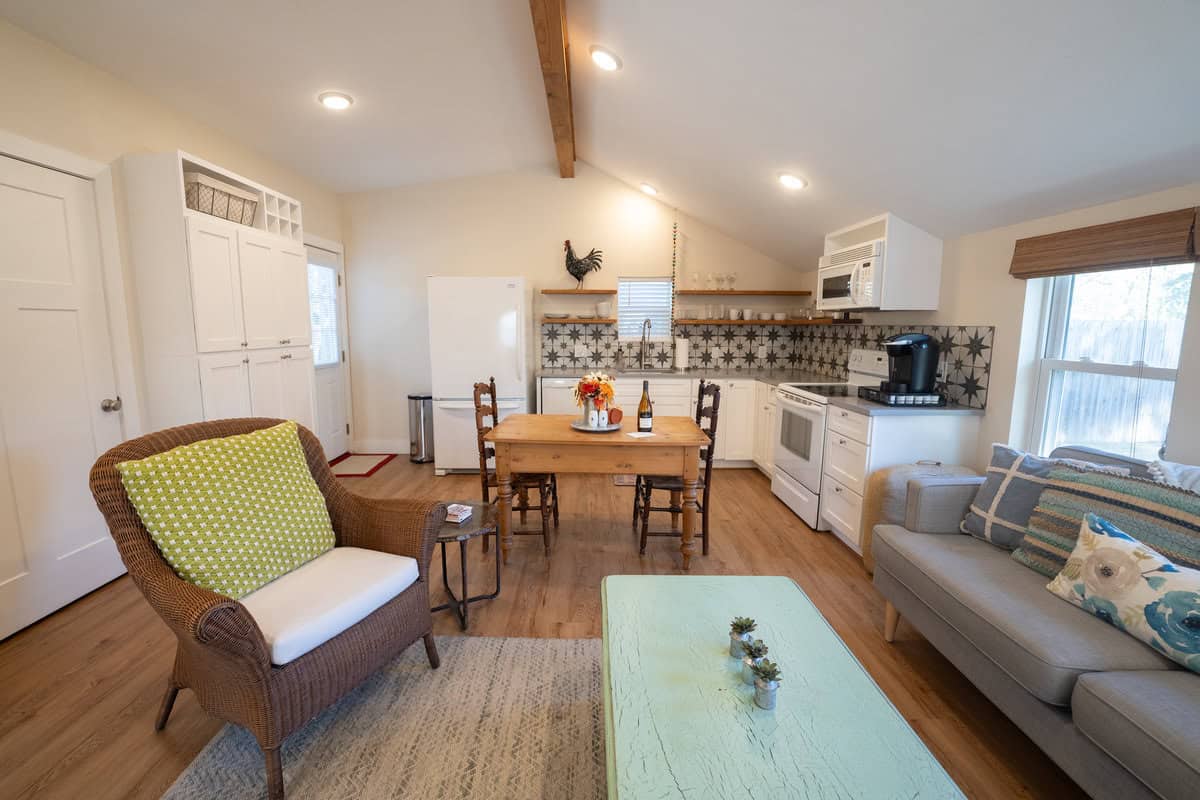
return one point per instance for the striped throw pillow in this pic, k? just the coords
(1164, 517)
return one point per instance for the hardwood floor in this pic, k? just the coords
(79, 690)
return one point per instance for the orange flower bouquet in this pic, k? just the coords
(594, 392)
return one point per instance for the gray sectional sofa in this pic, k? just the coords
(1121, 720)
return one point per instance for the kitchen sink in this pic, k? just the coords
(649, 372)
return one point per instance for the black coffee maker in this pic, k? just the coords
(912, 364)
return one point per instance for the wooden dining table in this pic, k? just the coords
(531, 443)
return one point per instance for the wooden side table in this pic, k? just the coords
(481, 524)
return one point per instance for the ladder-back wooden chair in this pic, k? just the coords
(487, 414)
(644, 487)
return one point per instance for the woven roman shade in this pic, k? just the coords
(1168, 238)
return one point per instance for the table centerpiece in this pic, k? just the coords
(594, 394)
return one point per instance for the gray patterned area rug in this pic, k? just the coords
(501, 718)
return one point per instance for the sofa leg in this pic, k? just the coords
(164, 710)
(431, 652)
(274, 774)
(891, 618)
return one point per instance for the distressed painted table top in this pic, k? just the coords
(680, 723)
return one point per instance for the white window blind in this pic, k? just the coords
(322, 303)
(641, 299)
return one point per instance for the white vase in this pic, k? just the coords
(602, 418)
(593, 417)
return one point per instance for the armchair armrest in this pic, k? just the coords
(938, 505)
(403, 527)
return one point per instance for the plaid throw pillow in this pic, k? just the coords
(1165, 518)
(1015, 480)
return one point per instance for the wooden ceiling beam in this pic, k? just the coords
(550, 31)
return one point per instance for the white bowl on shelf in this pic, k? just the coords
(779, 316)
(556, 315)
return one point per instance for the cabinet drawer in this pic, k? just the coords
(847, 423)
(846, 461)
(842, 510)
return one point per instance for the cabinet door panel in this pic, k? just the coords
(266, 383)
(224, 386)
(298, 385)
(216, 285)
(735, 433)
(294, 316)
(260, 290)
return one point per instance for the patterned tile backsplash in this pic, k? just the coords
(966, 350)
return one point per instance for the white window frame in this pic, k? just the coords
(1053, 339)
(655, 335)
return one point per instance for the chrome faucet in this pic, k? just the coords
(645, 333)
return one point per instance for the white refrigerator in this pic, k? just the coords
(477, 330)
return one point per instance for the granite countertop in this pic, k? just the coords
(860, 406)
(768, 376)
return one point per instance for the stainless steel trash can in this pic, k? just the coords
(420, 428)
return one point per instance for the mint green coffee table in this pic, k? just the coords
(679, 722)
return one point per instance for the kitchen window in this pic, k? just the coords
(641, 299)
(1106, 378)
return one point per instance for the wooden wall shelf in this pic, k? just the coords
(579, 291)
(574, 321)
(746, 292)
(825, 321)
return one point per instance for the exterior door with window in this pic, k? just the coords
(327, 309)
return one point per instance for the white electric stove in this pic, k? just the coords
(800, 432)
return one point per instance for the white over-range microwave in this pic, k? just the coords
(850, 278)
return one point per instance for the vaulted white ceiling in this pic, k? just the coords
(957, 116)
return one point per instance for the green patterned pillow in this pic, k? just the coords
(1163, 517)
(1133, 588)
(232, 514)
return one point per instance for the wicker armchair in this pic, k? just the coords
(222, 655)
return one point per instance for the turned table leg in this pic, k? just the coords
(691, 510)
(504, 493)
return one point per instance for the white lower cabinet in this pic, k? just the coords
(764, 427)
(735, 421)
(225, 385)
(841, 508)
(259, 383)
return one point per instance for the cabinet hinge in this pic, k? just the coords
(339, 280)
(343, 356)
(347, 427)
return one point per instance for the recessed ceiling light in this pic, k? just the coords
(792, 182)
(648, 189)
(335, 101)
(604, 58)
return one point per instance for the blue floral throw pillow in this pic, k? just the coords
(1132, 587)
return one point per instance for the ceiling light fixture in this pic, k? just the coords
(790, 181)
(648, 189)
(604, 58)
(335, 101)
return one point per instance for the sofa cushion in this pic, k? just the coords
(1131, 587)
(1000, 511)
(1149, 722)
(1005, 611)
(314, 603)
(1166, 518)
(234, 513)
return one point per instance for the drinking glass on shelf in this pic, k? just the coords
(720, 281)
(695, 280)
(708, 311)
(730, 278)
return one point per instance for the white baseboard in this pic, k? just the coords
(398, 446)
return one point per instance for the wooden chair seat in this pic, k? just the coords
(670, 483)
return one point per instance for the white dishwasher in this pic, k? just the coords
(557, 396)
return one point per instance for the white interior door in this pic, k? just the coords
(326, 304)
(57, 364)
(216, 284)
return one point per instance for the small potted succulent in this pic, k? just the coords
(755, 652)
(766, 683)
(739, 632)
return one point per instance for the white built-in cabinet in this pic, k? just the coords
(764, 427)
(735, 421)
(223, 308)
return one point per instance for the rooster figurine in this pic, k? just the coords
(580, 267)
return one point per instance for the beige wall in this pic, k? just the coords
(52, 97)
(508, 224)
(976, 289)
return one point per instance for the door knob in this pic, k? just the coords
(110, 404)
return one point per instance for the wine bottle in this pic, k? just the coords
(645, 410)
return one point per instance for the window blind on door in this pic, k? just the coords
(641, 299)
(323, 309)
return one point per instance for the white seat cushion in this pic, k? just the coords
(315, 602)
